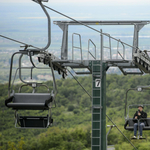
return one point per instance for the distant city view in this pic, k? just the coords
(28, 24)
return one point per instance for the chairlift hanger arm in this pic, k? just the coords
(30, 55)
(49, 31)
(49, 23)
(127, 101)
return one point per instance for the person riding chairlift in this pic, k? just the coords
(139, 115)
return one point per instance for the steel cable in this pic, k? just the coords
(80, 84)
(18, 41)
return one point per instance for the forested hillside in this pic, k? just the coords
(72, 118)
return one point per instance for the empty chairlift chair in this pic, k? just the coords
(30, 101)
(34, 101)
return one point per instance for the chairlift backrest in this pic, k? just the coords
(131, 122)
(31, 97)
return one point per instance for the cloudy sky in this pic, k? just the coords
(21, 14)
(98, 2)
(100, 9)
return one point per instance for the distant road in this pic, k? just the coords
(110, 148)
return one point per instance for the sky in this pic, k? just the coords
(92, 9)
(97, 2)
(17, 16)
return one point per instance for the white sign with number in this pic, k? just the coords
(97, 82)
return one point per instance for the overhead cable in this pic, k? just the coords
(18, 41)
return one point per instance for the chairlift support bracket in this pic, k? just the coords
(65, 24)
(138, 25)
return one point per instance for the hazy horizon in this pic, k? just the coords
(24, 20)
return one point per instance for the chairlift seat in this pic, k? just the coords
(34, 122)
(29, 101)
(148, 121)
(129, 125)
(129, 122)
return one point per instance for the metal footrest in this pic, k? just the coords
(34, 121)
(131, 71)
(81, 73)
(137, 73)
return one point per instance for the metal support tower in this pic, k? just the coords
(98, 141)
(98, 68)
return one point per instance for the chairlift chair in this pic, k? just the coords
(129, 122)
(32, 101)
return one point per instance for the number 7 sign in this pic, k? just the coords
(97, 82)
